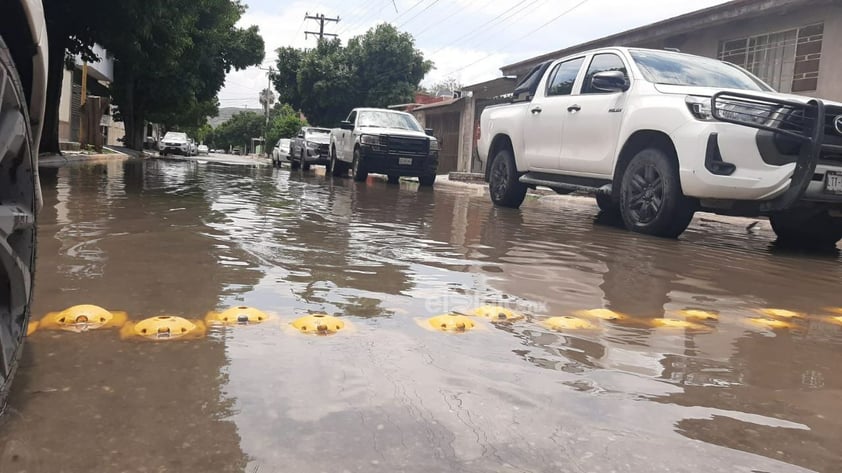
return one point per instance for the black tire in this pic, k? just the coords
(358, 169)
(807, 228)
(503, 184)
(427, 181)
(651, 201)
(305, 166)
(337, 167)
(607, 204)
(18, 190)
(393, 179)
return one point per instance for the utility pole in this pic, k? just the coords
(321, 19)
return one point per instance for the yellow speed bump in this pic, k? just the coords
(318, 324)
(164, 327)
(451, 323)
(781, 313)
(699, 314)
(770, 323)
(81, 318)
(604, 314)
(675, 323)
(568, 323)
(496, 313)
(836, 319)
(237, 316)
(31, 327)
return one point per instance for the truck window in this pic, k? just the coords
(564, 76)
(602, 63)
(353, 117)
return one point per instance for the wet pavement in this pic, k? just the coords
(389, 393)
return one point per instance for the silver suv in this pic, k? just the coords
(23, 91)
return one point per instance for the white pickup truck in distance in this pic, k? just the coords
(659, 135)
(385, 142)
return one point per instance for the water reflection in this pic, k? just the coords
(182, 239)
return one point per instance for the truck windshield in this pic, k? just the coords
(318, 131)
(682, 69)
(383, 119)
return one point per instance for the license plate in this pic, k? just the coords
(833, 182)
(408, 162)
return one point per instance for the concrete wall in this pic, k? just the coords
(705, 42)
(64, 106)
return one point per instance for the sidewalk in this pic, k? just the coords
(68, 157)
(551, 198)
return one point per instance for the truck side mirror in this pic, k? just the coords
(610, 81)
(428, 131)
(346, 125)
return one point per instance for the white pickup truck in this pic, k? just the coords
(659, 135)
(386, 142)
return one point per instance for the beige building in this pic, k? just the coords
(790, 44)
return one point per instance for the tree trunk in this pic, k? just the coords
(55, 74)
(133, 117)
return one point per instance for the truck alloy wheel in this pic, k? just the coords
(359, 170)
(504, 184)
(651, 200)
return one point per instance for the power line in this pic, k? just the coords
(479, 27)
(565, 12)
(450, 16)
(419, 13)
(362, 18)
(512, 17)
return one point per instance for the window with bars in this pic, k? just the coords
(787, 60)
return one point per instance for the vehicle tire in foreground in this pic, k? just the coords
(807, 228)
(393, 179)
(651, 200)
(360, 173)
(503, 183)
(18, 189)
(427, 181)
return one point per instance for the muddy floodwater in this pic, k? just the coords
(739, 390)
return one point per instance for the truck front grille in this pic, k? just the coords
(406, 146)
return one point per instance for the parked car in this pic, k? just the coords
(281, 152)
(194, 149)
(383, 141)
(23, 80)
(310, 146)
(176, 142)
(659, 135)
(236, 151)
(202, 149)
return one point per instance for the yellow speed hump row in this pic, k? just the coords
(84, 318)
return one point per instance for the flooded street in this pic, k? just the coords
(389, 393)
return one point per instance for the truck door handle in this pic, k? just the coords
(536, 110)
(573, 108)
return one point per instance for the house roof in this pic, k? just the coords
(443, 103)
(492, 88)
(705, 18)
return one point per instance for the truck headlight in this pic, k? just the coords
(747, 112)
(369, 140)
(434, 145)
(312, 145)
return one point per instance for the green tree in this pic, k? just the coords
(380, 68)
(284, 122)
(239, 130)
(171, 56)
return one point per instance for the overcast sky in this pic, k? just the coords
(468, 40)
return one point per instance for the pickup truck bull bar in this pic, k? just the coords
(804, 124)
